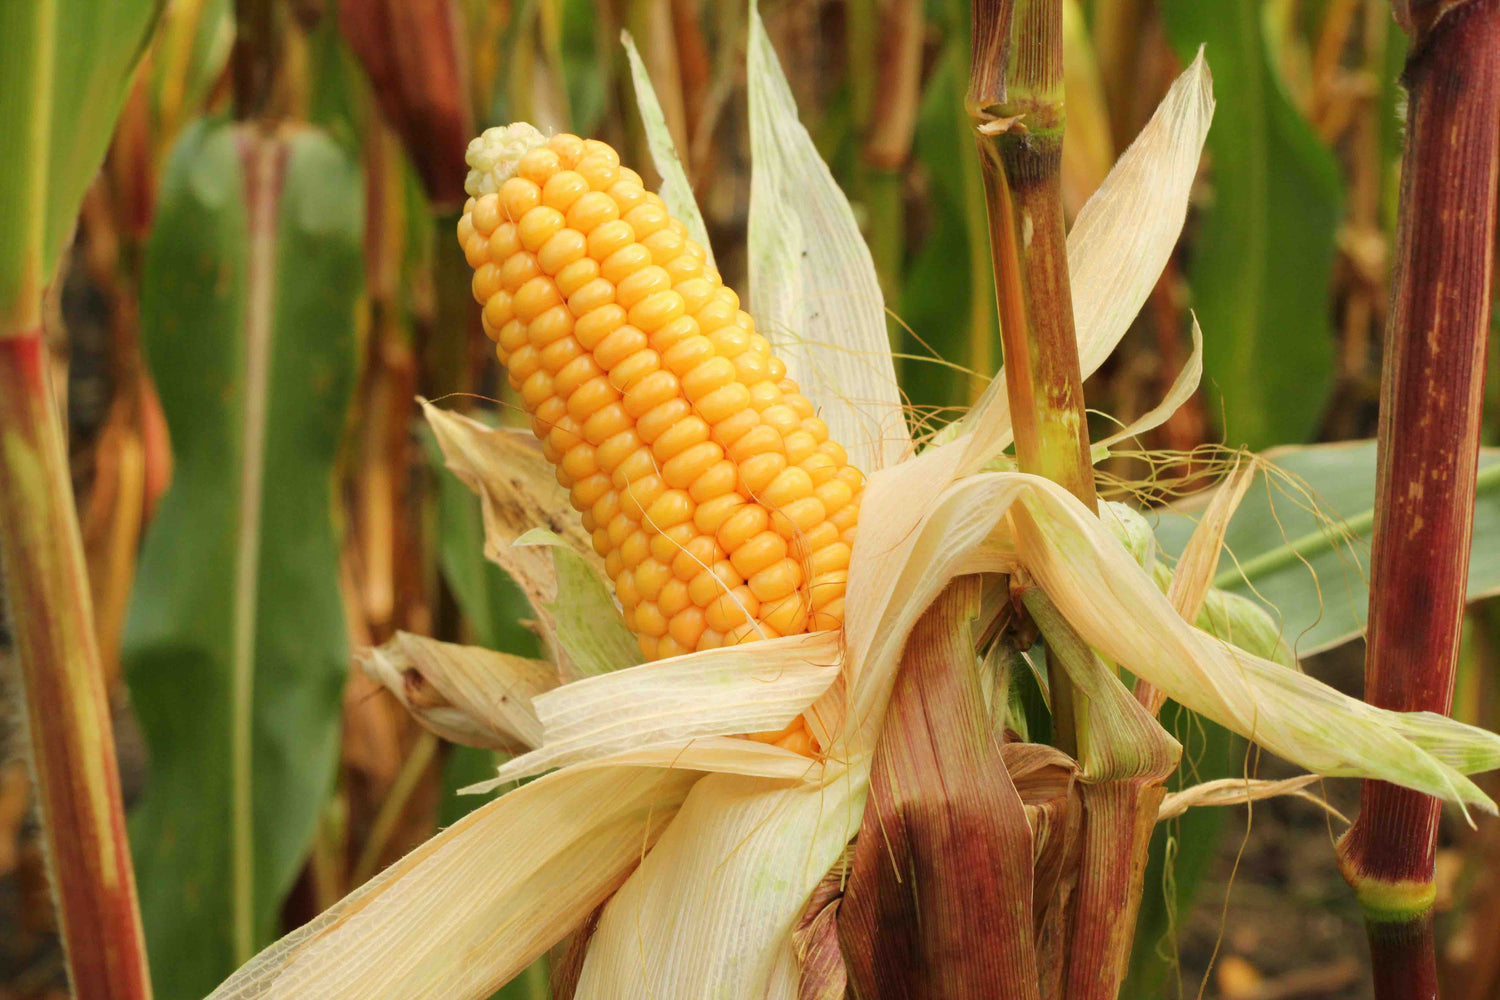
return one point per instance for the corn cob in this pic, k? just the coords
(721, 508)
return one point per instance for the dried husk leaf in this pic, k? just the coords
(1182, 389)
(754, 687)
(477, 903)
(1129, 620)
(814, 291)
(518, 491)
(1199, 562)
(465, 694)
(720, 754)
(710, 911)
(1238, 791)
(936, 902)
(921, 527)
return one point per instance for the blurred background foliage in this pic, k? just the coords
(264, 277)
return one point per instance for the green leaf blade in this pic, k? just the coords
(1299, 543)
(1261, 265)
(180, 652)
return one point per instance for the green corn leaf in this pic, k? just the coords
(235, 648)
(589, 626)
(1299, 544)
(64, 69)
(1260, 269)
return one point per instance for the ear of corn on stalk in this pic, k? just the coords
(723, 511)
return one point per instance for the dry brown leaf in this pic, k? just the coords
(465, 694)
(518, 491)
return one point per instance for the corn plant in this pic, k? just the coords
(65, 68)
(790, 761)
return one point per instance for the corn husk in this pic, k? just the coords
(480, 901)
(586, 621)
(465, 694)
(676, 189)
(813, 287)
(932, 907)
(755, 687)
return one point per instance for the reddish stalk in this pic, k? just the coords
(1429, 437)
(67, 708)
(1015, 101)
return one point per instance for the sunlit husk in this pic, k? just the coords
(813, 287)
(480, 901)
(755, 687)
(710, 910)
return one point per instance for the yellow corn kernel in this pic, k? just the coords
(723, 512)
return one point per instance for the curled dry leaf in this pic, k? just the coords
(1237, 791)
(754, 687)
(465, 694)
(1200, 559)
(518, 491)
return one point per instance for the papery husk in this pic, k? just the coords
(1182, 389)
(1117, 609)
(814, 290)
(479, 902)
(465, 694)
(754, 687)
(1199, 562)
(676, 189)
(710, 911)
(938, 900)
(518, 491)
(1239, 791)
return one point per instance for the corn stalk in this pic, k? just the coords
(1432, 387)
(1015, 102)
(41, 550)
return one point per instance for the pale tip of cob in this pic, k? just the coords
(494, 154)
